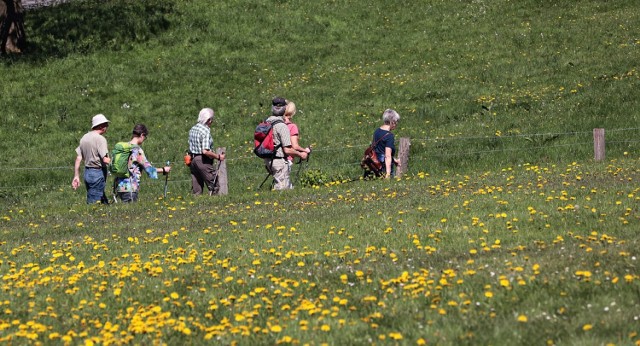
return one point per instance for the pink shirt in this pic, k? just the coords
(293, 131)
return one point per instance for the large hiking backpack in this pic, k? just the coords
(263, 139)
(120, 159)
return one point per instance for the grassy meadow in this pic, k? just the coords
(504, 231)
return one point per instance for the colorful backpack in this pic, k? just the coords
(120, 154)
(263, 140)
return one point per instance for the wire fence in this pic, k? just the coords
(343, 158)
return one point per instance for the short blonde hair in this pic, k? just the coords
(290, 110)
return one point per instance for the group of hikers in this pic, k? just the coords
(94, 152)
(128, 160)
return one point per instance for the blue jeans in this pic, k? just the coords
(384, 167)
(95, 182)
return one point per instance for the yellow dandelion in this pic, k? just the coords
(395, 336)
(522, 318)
(276, 329)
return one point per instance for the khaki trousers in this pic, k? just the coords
(279, 169)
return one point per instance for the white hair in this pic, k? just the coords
(390, 116)
(205, 115)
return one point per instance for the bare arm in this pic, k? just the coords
(211, 154)
(295, 153)
(296, 146)
(163, 170)
(75, 183)
(388, 161)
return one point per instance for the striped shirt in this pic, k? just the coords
(200, 139)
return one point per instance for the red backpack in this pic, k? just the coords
(263, 140)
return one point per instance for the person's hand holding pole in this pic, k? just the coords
(165, 170)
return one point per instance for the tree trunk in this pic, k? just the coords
(12, 35)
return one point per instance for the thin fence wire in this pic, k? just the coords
(351, 150)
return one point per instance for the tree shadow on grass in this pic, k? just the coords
(87, 26)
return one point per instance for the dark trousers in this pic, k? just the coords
(203, 173)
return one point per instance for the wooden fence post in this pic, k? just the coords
(598, 144)
(222, 174)
(403, 156)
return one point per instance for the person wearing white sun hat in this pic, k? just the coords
(94, 152)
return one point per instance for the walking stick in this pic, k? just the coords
(264, 181)
(215, 179)
(267, 177)
(300, 162)
(105, 173)
(166, 181)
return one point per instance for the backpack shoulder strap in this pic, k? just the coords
(273, 124)
(379, 139)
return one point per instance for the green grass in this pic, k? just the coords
(498, 98)
(546, 74)
(524, 254)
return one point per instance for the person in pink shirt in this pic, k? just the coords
(290, 111)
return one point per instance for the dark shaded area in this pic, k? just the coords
(92, 25)
(12, 35)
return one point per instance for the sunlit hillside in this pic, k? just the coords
(505, 229)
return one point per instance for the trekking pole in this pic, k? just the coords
(264, 181)
(115, 199)
(300, 162)
(215, 179)
(267, 177)
(166, 181)
(105, 173)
